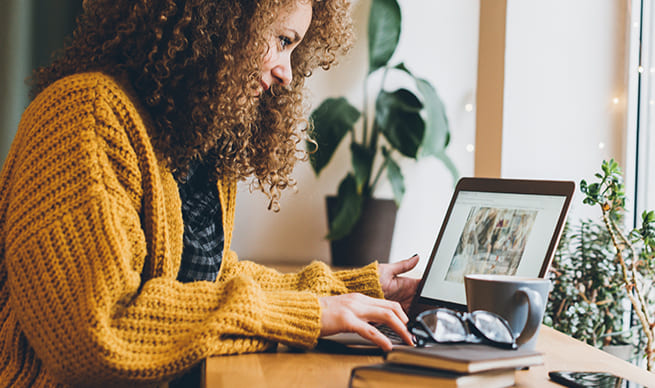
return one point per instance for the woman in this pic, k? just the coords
(117, 198)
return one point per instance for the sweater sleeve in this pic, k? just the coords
(75, 254)
(316, 277)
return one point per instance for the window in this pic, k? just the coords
(640, 161)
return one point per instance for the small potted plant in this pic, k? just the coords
(599, 266)
(405, 123)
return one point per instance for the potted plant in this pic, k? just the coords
(585, 301)
(404, 123)
(606, 265)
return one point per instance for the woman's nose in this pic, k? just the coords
(282, 72)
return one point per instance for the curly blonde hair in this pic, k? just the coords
(195, 65)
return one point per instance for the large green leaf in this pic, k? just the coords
(395, 177)
(383, 32)
(332, 120)
(398, 116)
(437, 134)
(348, 209)
(362, 159)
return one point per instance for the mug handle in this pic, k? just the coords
(535, 309)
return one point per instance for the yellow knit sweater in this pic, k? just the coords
(90, 246)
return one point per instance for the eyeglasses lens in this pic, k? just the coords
(492, 327)
(446, 326)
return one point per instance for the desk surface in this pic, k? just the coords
(315, 369)
(322, 370)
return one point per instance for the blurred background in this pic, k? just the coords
(563, 96)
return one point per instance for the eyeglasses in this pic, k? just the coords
(448, 326)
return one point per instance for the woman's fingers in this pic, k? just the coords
(395, 287)
(394, 269)
(355, 312)
(369, 332)
(405, 265)
(386, 305)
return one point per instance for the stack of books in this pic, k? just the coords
(462, 365)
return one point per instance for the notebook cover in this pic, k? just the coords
(465, 358)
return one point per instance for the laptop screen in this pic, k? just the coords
(492, 233)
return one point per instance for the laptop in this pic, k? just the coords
(492, 226)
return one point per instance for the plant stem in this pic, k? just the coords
(373, 144)
(584, 297)
(635, 275)
(375, 131)
(561, 308)
(377, 176)
(631, 285)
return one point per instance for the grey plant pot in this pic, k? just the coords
(371, 237)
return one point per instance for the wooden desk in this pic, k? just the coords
(313, 369)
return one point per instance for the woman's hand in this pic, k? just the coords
(355, 313)
(399, 288)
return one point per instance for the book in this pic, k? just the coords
(395, 375)
(465, 358)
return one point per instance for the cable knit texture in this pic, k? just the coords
(91, 241)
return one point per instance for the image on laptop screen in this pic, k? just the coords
(492, 233)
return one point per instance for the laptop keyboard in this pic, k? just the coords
(386, 330)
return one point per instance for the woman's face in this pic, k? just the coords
(288, 30)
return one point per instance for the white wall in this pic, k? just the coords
(564, 65)
(438, 42)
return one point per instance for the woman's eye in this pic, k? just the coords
(284, 41)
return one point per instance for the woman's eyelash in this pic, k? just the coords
(284, 41)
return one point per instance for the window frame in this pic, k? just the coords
(640, 126)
